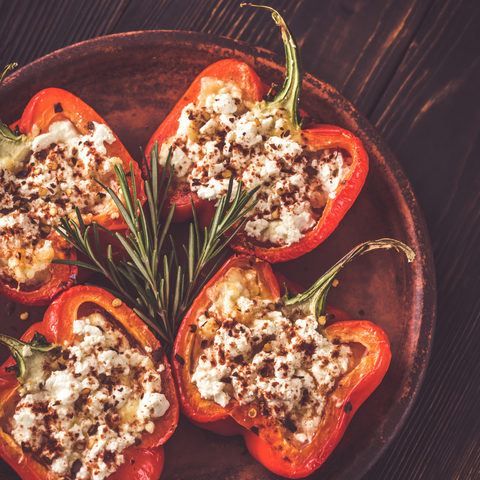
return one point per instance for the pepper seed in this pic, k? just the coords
(226, 174)
(252, 413)
(37, 171)
(53, 211)
(114, 215)
(150, 427)
(42, 192)
(322, 320)
(46, 229)
(68, 191)
(335, 283)
(52, 165)
(24, 316)
(267, 347)
(116, 303)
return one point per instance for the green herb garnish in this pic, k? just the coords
(158, 287)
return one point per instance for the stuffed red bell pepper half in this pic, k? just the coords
(91, 395)
(275, 369)
(227, 125)
(50, 162)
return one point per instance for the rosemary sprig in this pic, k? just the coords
(159, 288)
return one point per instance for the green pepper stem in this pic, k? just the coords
(37, 344)
(313, 301)
(289, 95)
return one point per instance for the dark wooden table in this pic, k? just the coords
(412, 67)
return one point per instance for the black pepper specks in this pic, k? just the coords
(348, 407)
(58, 108)
(254, 430)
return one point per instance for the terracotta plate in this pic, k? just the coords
(133, 80)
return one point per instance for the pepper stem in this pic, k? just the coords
(37, 344)
(289, 95)
(313, 301)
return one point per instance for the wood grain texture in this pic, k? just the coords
(413, 68)
(430, 116)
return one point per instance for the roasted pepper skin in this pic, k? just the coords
(57, 326)
(267, 442)
(316, 136)
(44, 108)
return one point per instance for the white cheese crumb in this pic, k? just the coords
(80, 408)
(223, 132)
(59, 175)
(292, 378)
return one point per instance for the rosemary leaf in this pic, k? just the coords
(158, 287)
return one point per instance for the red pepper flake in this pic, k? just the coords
(93, 429)
(57, 108)
(179, 359)
(108, 457)
(238, 359)
(348, 407)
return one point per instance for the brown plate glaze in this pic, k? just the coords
(133, 80)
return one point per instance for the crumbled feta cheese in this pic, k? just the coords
(292, 378)
(223, 132)
(97, 403)
(59, 174)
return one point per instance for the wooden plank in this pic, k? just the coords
(31, 29)
(355, 45)
(430, 116)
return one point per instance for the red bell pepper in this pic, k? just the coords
(143, 461)
(314, 137)
(44, 108)
(267, 438)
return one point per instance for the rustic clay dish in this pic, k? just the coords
(132, 81)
